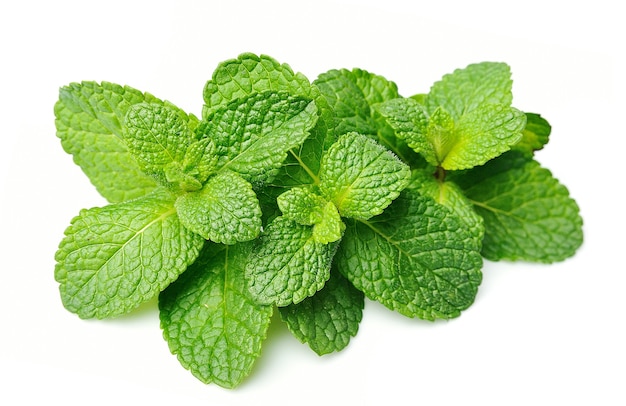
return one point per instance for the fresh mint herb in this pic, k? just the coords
(305, 197)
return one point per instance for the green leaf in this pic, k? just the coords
(415, 258)
(89, 122)
(307, 208)
(253, 135)
(327, 320)
(535, 135)
(157, 136)
(287, 264)
(410, 123)
(116, 257)
(226, 210)
(209, 321)
(361, 177)
(249, 74)
(528, 214)
(465, 90)
(351, 94)
(483, 134)
(450, 195)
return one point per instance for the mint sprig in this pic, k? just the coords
(302, 196)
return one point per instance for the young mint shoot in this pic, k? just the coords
(304, 197)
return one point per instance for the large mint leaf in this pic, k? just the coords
(528, 214)
(351, 94)
(329, 319)
(226, 210)
(208, 319)
(287, 264)
(361, 177)
(116, 257)
(252, 135)
(90, 122)
(416, 258)
(464, 90)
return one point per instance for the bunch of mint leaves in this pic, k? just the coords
(303, 198)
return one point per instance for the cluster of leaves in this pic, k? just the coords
(305, 197)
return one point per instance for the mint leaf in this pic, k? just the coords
(535, 135)
(351, 95)
(89, 122)
(287, 264)
(450, 195)
(415, 258)
(157, 136)
(249, 74)
(225, 210)
(209, 321)
(116, 257)
(528, 214)
(329, 319)
(361, 177)
(252, 135)
(463, 91)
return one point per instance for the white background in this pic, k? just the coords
(536, 335)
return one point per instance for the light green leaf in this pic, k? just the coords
(464, 90)
(248, 74)
(116, 257)
(253, 135)
(415, 258)
(535, 135)
(410, 123)
(209, 321)
(225, 210)
(157, 136)
(330, 227)
(351, 94)
(528, 214)
(483, 134)
(287, 264)
(89, 122)
(361, 177)
(327, 320)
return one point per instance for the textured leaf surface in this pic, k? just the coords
(327, 320)
(351, 94)
(464, 90)
(415, 258)
(89, 122)
(225, 210)
(288, 265)
(116, 257)
(253, 135)
(528, 214)
(361, 177)
(210, 322)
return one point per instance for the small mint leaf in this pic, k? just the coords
(248, 74)
(327, 320)
(253, 135)
(225, 210)
(302, 206)
(157, 136)
(116, 257)
(89, 122)
(528, 214)
(330, 227)
(208, 319)
(351, 95)
(361, 177)
(535, 135)
(415, 258)
(287, 264)
(464, 90)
